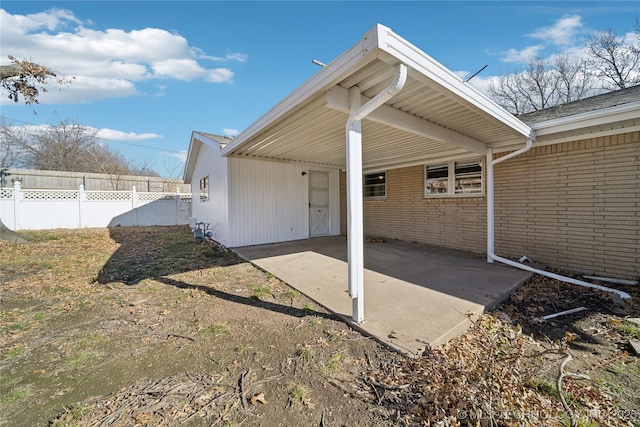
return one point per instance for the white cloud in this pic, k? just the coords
(219, 75)
(230, 132)
(230, 56)
(189, 69)
(562, 33)
(86, 89)
(240, 57)
(180, 155)
(481, 83)
(181, 69)
(117, 135)
(50, 20)
(107, 63)
(461, 74)
(524, 55)
(104, 133)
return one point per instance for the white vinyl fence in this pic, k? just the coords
(47, 209)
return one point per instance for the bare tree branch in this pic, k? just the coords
(614, 60)
(67, 146)
(27, 79)
(612, 64)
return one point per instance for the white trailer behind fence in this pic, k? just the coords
(48, 209)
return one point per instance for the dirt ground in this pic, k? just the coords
(144, 327)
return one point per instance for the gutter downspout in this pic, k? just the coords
(355, 209)
(491, 256)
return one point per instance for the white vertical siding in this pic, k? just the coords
(269, 202)
(215, 211)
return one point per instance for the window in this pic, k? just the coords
(461, 178)
(375, 185)
(437, 179)
(204, 189)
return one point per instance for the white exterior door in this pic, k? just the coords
(319, 218)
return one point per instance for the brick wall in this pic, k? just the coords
(573, 206)
(406, 215)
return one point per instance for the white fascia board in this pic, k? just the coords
(425, 65)
(192, 156)
(338, 99)
(588, 119)
(328, 76)
(209, 141)
(597, 134)
(194, 150)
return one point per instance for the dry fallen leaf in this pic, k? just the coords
(306, 401)
(259, 398)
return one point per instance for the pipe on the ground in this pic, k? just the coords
(491, 256)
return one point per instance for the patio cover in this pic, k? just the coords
(435, 117)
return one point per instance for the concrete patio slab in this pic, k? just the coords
(415, 295)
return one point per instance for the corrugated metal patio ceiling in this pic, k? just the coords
(309, 125)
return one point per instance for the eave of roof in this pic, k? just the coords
(197, 139)
(308, 125)
(594, 103)
(594, 117)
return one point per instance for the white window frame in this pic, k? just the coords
(369, 186)
(204, 185)
(450, 179)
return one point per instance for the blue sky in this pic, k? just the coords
(148, 73)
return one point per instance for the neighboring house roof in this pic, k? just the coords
(436, 116)
(597, 102)
(197, 139)
(597, 116)
(222, 140)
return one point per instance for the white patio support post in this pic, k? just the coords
(490, 206)
(355, 229)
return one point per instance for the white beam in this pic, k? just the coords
(338, 99)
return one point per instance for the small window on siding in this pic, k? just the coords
(461, 178)
(375, 185)
(204, 189)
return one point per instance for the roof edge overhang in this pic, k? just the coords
(363, 52)
(598, 123)
(382, 43)
(197, 139)
(587, 119)
(448, 81)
